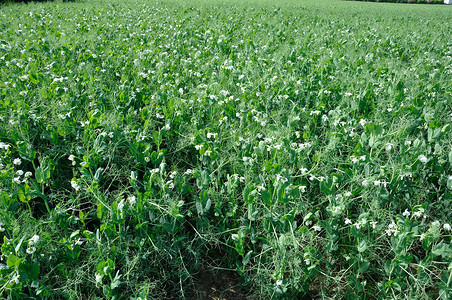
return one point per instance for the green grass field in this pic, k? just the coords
(272, 149)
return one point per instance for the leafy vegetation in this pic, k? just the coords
(306, 145)
(408, 1)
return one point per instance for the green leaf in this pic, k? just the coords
(363, 266)
(100, 267)
(374, 128)
(388, 267)
(246, 258)
(42, 175)
(246, 194)
(26, 151)
(13, 261)
(98, 174)
(198, 206)
(157, 137)
(33, 78)
(267, 197)
(39, 175)
(24, 193)
(440, 249)
(100, 207)
(34, 270)
(326, 186)
(362, 245)
(19, 244)
(116, 281)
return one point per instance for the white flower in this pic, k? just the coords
(336, 209)
(16, 279)
(17, 180)
(132, 200)
(198, 147)
(365, 183)
(317, 228)
(374, 224)
(302, 188)
(4, 146)
(358, 225)
(363, 157)
(98, 278)
(389, 147)
(27, 174)
(422, 158)
(447, 227)
(279, 282)
(355, 160)
(121, 205)
(436, 223)
(34, 284)
(34, 239)
(417, 214)
(71, 157)
(377, 182)
(407, 143)
(363, 122)
(392, 229)
(207, 153)
(303, 171)
(406, 213)
(209, 135)
(347, 221)
(17, 161)
(31, 250)
(20, 172)
(75, 185)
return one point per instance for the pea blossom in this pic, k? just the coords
(422, 158)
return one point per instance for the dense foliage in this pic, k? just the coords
(408, 1)
(306, 145)
(28, 1)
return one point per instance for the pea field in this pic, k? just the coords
(226, 149)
